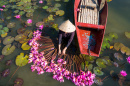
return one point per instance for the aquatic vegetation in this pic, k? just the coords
(28, 24)
(117, 46)
(20, 37)
(60, 12)
(4, 35)
(25, 46)
(40, 1)
(44, 7)
(45, 20)
(124, 49)
(21, 60)
(21, 30)
(5, 73)
(101, 63)
(8, 40)
(39, 23)
(29, 14)
(18, 82)
(98, 81)
(57, 0)
(107, 60)
(1, 57)
(51, 23)
(50, 17)
(8, 49)
(109, 0)
(107, 38)
(97, 71)
(123, 73)
(118, 56)
(90, 58)
(3, 30)
(128, 59)
(11, 25)
(18, 16)
(55, 26)
(105, 45)
(57, 5)
(9, 62)
(127, 34)
(8, 17)
(25, 1)
(113, 35)
(115, 64)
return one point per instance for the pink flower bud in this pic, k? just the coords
(29, 21)
(40, 1)
(17, 16)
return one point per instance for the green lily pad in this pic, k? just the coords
(55, 26)
(21, 60)
(57, 5)
(107, 60)
(118, 46)
(8, 6)
(90, 67)
(127, 34)
(82, 66)
(113, 35)
(16, 11)
(29, 14)
(14, 6)
(35, 7)
(6, 29)
(66, 0)
(44, 7)
(97, 71)
(57, 0)
(21, 13)
(60, 12)
(1, 26)
(107, 38)
(1, 20)
(2, 32)
(105, 45)
(25, 1)
(101, 63)
(5, 9)
(11, 25)
(20, 3)
(90, 58)
(12, 1)
(45, 20)
(50, 17)
(8, 17)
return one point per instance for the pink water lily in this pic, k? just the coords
(1, 9)
(123, 73)
(41, 27)
(3, 6)
(40, 1)
(128, 59)
(17, 16)
(29, 21)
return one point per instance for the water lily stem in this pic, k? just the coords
(12, 75)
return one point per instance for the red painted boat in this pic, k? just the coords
(90, 36)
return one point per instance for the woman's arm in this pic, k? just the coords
(60, 39)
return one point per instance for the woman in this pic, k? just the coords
(67, 32)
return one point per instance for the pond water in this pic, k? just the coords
(118, 22)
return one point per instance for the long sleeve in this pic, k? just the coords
(71, 38)
(60, 38)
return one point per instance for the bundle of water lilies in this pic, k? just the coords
(44, 63)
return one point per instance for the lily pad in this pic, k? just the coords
(16, 11)
(21, 30)
(107, 60)
(105, 45)
(55, 26)
(118, 46)
(60, 12)
(39, 23)
(8, 17)
(118, 56)
(90, 58)
(5, 29)
(97, 71)
(44, 7)
(21, 13)
(50, 17)
(8, 49)
(113, 35)
(8, 40)
(25, 46)
(101, 63)
(4, 35)
(45, 20)
(57, 5)
(21, 60)
(20, 37)
(11, 25)
(127, 34)
(1, 26)
(29, 14)
(107, 38)
(124, 49)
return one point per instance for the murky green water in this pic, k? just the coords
(118, 21)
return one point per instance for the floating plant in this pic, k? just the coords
(107, 38)
(57, 0)
(8, 40)
(105, 45)
(66, 0)
(127, 34)
(4, 35)
(113, 35)
(44, 7)
(18, 82)
(21, 13)
(21, 30)
(25, 46)
(124, 49)
(57, 5)
(11, 25)
(101, 63)
(8, 49)
(5, 73)
(1, 57)
(117, 46)
(107, 60)
(60, 12)
(3, 30)
(97, 71)
(118, 56)
(29, 14)
(45, 20)
(21, 60)
(39, 23)
(20, 37)
(55, 26)
(8, 17)
(90, 58)
(50, 17)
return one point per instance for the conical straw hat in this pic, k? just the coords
(67, 26)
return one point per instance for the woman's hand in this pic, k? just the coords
(59, 52)
(64, 50)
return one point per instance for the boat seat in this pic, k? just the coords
(91, 5)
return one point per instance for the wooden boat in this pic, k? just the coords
(90, 25)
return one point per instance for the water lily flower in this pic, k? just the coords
(1, 9)
(29, 21)
(123, 73)
(41, 1)
(41, 27)
(128, 59)
(3, 6)
(17, 16)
